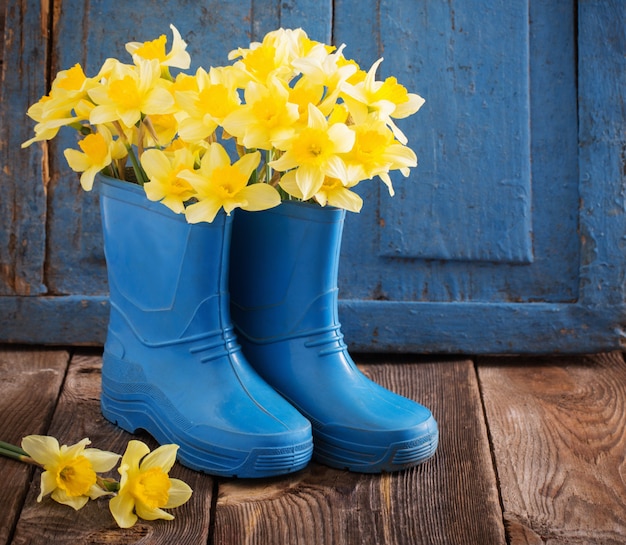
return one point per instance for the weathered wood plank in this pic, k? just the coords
(558, 427)
(78, 416)
(23, 372)
(22, 172)
(450, 499)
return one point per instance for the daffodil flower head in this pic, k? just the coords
(166, 185)
(98, 150)
(70, 472)
(386, 99)
(218, 184)
(315, 152)
(146, 488)
(332, 192)
(178, 57)
(267, 117)
(129, 92)
(274, 55)
(376, 152)
(205, 104)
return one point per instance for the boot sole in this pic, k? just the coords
(135, 411)
(367, 458)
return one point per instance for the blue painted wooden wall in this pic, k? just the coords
(509, 236)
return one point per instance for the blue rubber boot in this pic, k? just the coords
(283, 286)
(172, 365)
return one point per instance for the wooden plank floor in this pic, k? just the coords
(532, 451)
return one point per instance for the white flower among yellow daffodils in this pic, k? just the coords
(145, 486)
(307, 122)
(70, 472)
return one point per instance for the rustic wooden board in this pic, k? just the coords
(23, 372)
(452, 498)
(23, 174)
(78, 416)
(558, 428)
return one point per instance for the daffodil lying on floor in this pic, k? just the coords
(72, 476)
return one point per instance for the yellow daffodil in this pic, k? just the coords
(315, 151)
(273, 56)
(213, 98)
(129, 92)
(98, 151)
(145, 485)
(218, 184)
(332, 192)
(387, 98)
(376, 152)
(166, 184)
(155, 49)
(59, 107)
(266, 118)
(321, 68)
(69, 472)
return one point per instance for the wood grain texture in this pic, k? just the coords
(30, 382)
(602, 142)
(450, 499)
(23, 173)
(78, 416)
(558, 428)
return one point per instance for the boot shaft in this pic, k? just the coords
(167, 278)
(283, 270)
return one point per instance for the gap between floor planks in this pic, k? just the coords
(556, 426)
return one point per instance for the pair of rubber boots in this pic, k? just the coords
(173, 365)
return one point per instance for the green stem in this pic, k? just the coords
(139, 173)
(15, 453)
(16, 449)
(268, 168)
(110, 485)
(141, 178)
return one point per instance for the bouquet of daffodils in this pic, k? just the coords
(304, 123)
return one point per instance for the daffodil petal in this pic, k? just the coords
(47, 484)
(259, 197)
(205, 210)
(152, 514)
(87, 178)
(216, 157)
(162, 457)
(135, 451)
(344, 198)
(76, 502)
(289, 184)
(179, 493)
(101, 460)
(309, 180)
(121, 507)
(77, 160)
(41, 448)
(154, 162)
(248, 163)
